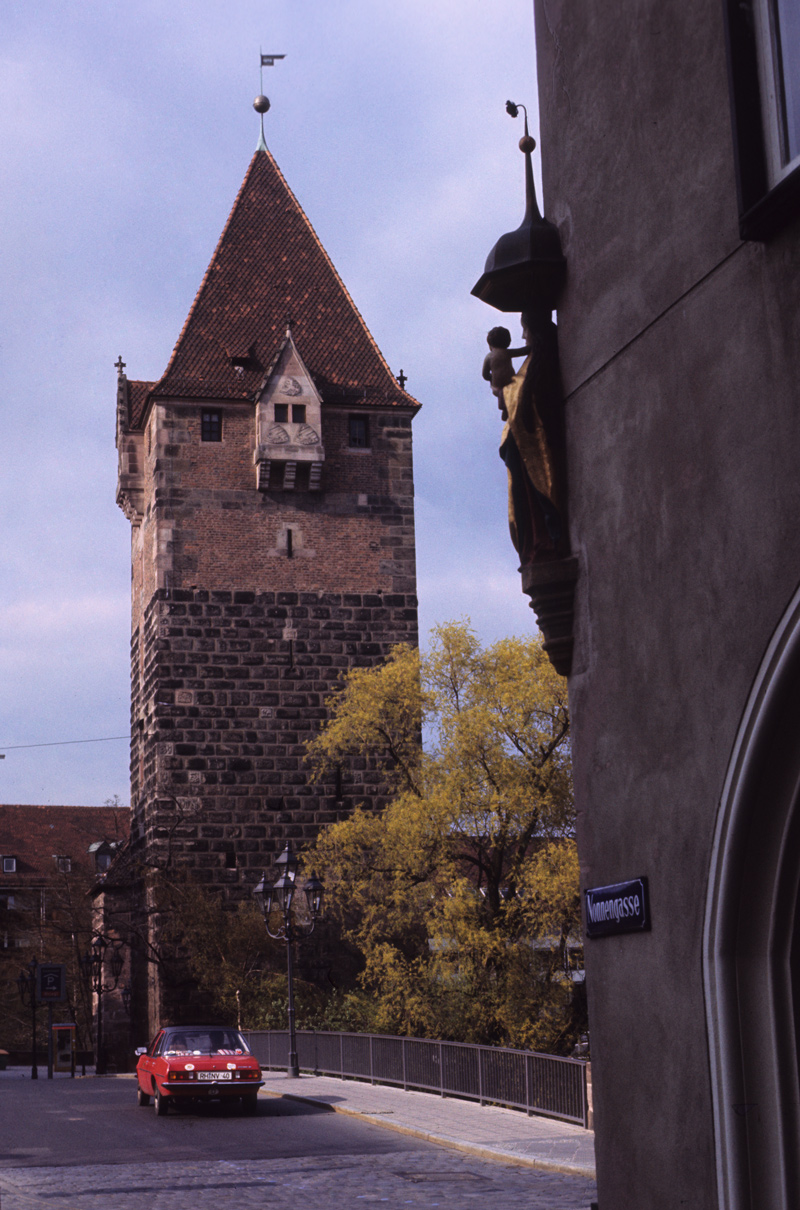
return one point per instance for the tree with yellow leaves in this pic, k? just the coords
(462, 895)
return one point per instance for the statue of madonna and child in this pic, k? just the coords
(532, 442)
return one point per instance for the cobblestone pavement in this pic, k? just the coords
(429, 1177)
(326, 1142)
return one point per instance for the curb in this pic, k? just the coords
(485, 1153)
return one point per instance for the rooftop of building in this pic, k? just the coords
(39, 841)
(270, 271)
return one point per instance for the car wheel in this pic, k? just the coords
(162, 1103)
(250, 1102)
(142, 1097)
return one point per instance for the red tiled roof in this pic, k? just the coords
(270, 264)
(36, 835)
(137, 399)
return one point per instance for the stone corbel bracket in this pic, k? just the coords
(551, 588)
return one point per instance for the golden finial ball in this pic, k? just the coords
(261, 104)
(527, 143)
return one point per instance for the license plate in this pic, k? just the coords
(215, 1075)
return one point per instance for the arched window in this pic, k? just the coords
(751, 945)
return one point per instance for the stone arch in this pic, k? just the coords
(751, 946)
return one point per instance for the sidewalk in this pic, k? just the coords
(484, 1130)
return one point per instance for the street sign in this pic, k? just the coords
(623, 907)
(51, 982)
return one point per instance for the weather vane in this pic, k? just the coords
(261, 103)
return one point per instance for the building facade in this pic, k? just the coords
(51, 858)
(670, 156)
(268, 480)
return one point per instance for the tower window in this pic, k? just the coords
(211, 426)
(359, 432)
(298, 413)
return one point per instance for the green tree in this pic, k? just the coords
(462, 895)
(238, 972)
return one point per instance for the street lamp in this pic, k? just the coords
(92, 964)
(27, 988)
(280, 896)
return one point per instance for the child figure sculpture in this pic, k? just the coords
(497, 367)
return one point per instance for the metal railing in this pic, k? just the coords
(519, 1079)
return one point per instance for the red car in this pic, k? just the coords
(197, 1062)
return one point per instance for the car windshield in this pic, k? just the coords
(205, 1042)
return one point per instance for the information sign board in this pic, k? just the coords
(51, 982)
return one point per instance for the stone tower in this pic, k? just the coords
(268, 480)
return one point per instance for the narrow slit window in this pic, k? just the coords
(289, 544)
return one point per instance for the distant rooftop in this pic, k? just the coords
(34, 838)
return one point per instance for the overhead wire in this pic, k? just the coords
(59, 743)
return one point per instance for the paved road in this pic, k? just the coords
(86, 1145)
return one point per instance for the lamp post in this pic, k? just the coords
(92, 964)
(27, 988)
(281, 896)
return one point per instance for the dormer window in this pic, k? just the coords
(211, 425)
(103, 852)
(63, 864)
(289, 453)
(242, 357)
(9, 865)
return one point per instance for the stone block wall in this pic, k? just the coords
(229, 681)
(232, 686)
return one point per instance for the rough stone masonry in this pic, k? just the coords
(268, 479)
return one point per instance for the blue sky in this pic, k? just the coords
(125, 132)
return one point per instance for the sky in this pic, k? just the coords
(125, 133)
